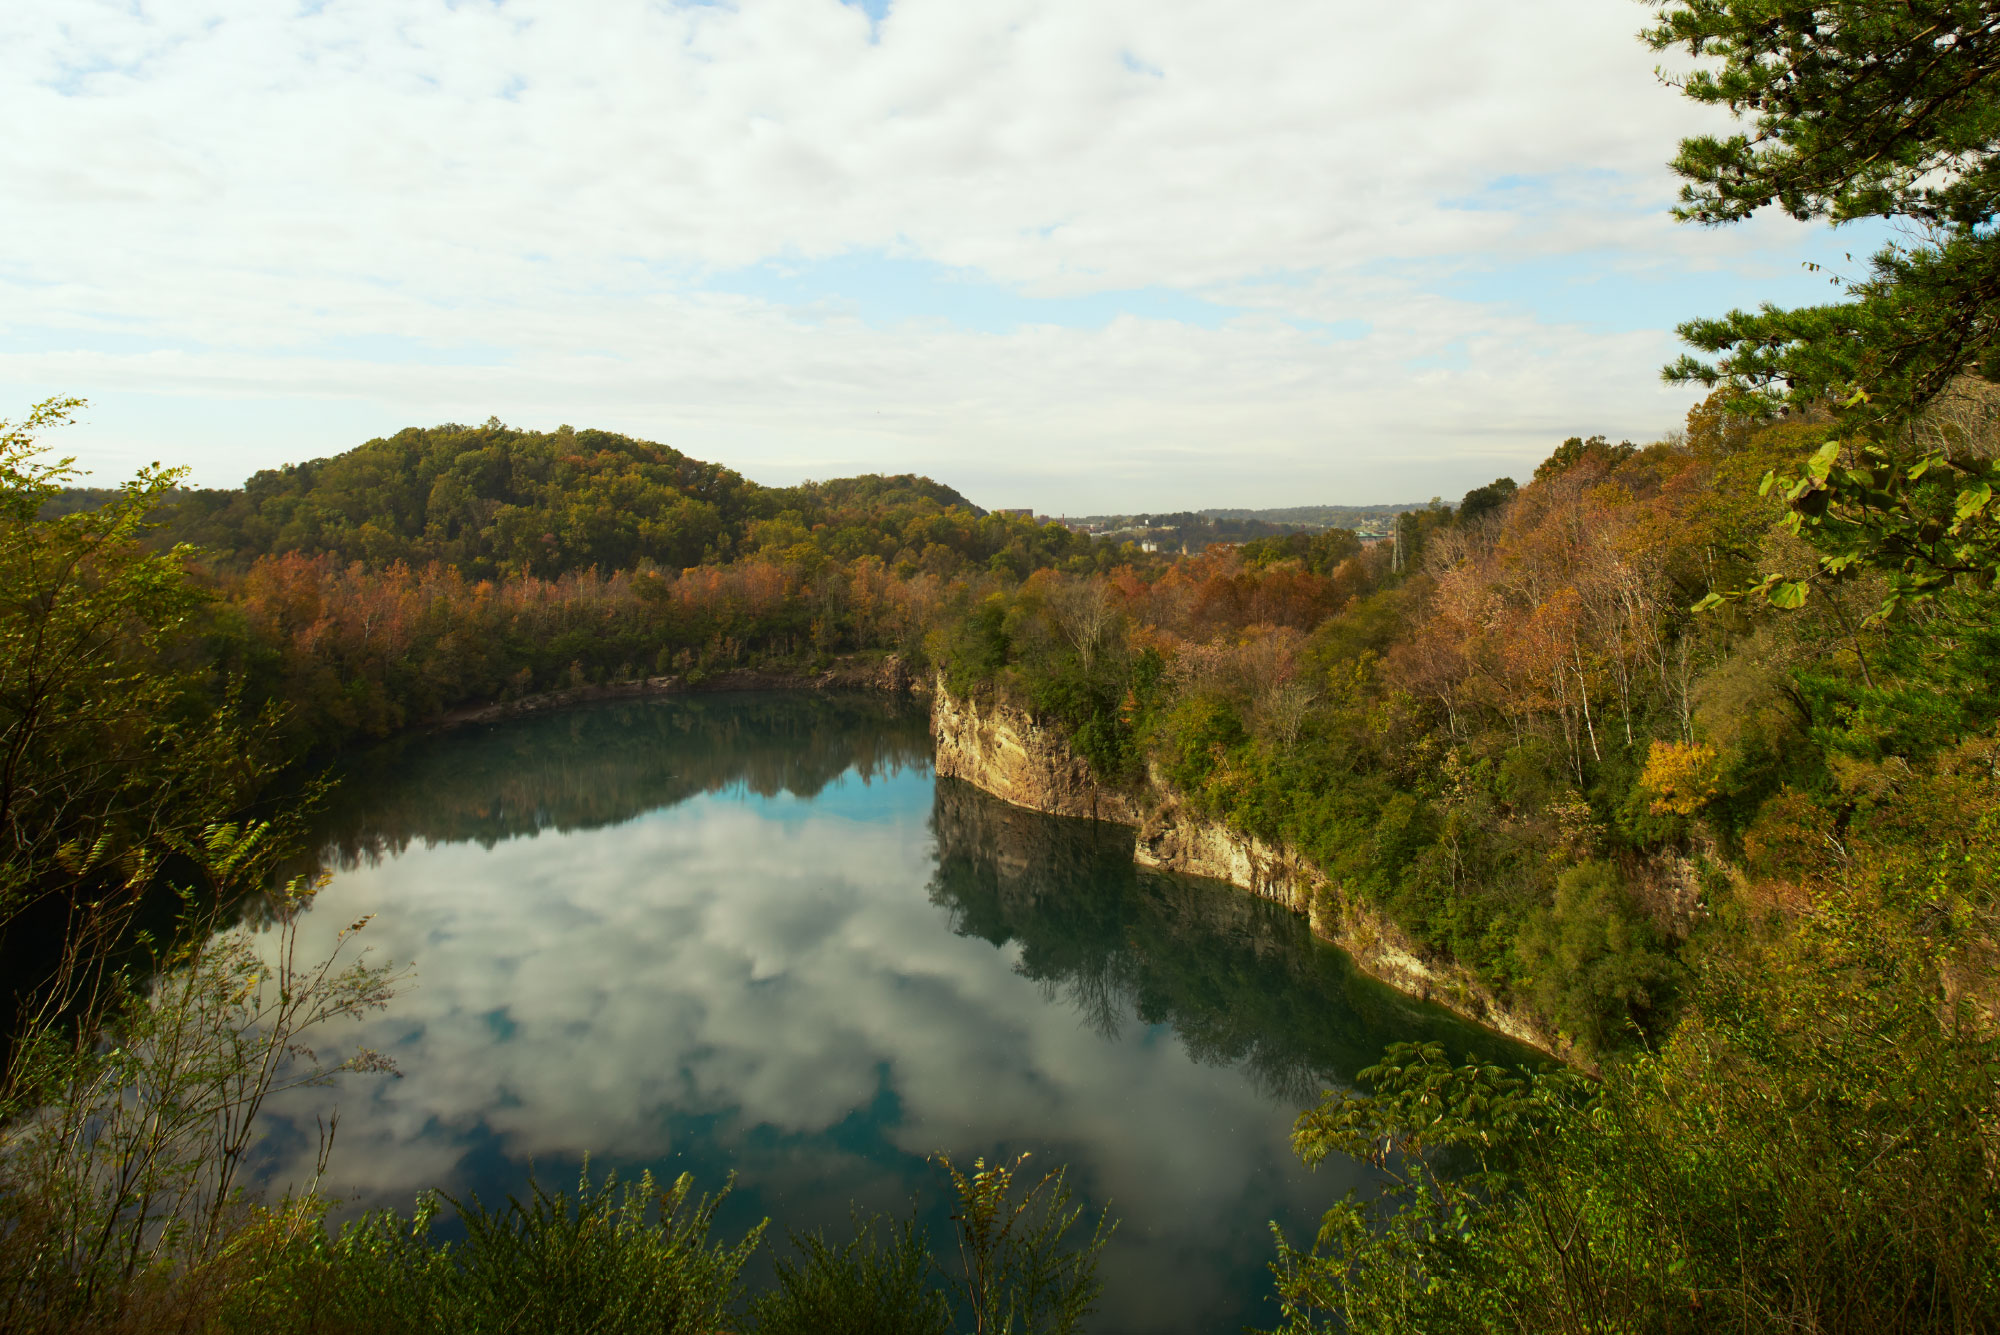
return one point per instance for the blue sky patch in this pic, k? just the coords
(876, 10)
(1619, 292)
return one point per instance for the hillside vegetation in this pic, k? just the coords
(357, 595)
(493, 502)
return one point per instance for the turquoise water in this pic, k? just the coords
(755, 934)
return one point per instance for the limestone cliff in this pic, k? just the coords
(1010, 754)
(1014, 757)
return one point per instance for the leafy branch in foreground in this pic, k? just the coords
(1859, 108)
(1448, 1141)
(91, 715)
(1924, 524)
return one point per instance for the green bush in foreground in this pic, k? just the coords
(640, 1260)
(610, 1259)
(1811, 1151)
(1021, 1271)
(868, 1286)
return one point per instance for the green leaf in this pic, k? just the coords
(1789, 594)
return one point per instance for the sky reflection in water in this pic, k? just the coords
(754, 933)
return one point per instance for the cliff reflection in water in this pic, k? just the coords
(602, 765)
(1238, 979)
(752, 936)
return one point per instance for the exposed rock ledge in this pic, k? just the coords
(1019, 760)
(1011, 755)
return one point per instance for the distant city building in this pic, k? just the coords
(1024, 513)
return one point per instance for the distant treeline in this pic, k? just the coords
(494, 502)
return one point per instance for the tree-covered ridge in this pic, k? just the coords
(491, 500)
(496, 502)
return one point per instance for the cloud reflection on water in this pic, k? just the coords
(817, 991)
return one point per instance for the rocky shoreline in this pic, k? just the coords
(1006, 752)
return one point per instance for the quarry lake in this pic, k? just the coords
(753, 934)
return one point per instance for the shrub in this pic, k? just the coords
(868, 1286)
(610, 1260)
(1591, 963)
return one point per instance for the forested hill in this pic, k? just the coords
(494, 501)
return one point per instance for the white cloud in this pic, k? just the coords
(223, 203)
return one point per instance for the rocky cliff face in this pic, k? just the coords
(1016, 758)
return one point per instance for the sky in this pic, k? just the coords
(1077, 255)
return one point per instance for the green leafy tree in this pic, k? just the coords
(126, 1131)
(1924, 524)
(1856, 109)
(1860, 110)
(1806, 1152)
(116, 750)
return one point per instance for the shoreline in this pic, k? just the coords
(887, 674)
(1002, 750)
(1006, 754)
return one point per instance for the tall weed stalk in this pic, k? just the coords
(121, 1183)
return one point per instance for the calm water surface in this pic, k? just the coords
(755, 934)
